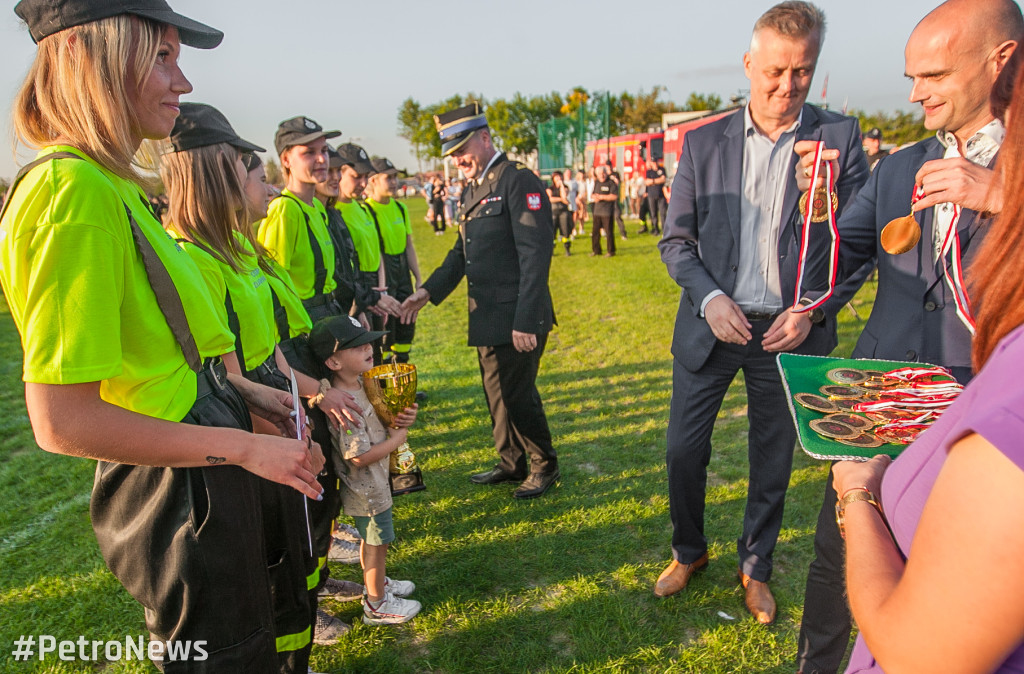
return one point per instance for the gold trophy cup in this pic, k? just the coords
(391, 388)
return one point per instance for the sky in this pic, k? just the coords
(349, 65)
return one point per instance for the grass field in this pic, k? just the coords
(558, 584)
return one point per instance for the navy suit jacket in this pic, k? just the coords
(914, 315)
(700, 245)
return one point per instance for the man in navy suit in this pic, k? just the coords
(953, 58)
(732, 243)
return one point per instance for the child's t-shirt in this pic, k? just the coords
(366, 489)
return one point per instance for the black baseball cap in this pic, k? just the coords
(252, 161)
(356, 157)
(299, 131)
(334, 159)
(199, 125)
(874, 133)
(383, 165)
(337, 333)
(46, 17)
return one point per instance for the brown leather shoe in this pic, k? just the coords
(675, 576)
(759, 600)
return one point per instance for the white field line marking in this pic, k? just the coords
(18, 538)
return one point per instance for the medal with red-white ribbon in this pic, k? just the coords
(953, 270)
(811, 213)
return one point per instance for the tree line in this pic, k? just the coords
(514, 121)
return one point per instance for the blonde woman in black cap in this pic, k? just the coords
(295, 229)
(205, 180)
(118, 347)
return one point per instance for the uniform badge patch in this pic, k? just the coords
(533, 202)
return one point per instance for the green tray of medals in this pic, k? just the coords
(822, 394)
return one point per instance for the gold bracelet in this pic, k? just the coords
(851, 496)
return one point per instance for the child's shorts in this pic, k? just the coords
(376, 529)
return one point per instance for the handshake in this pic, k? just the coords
(406, 311)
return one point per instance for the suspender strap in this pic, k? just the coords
(319, 268)
(167, 297)
(373, 216)
(280, 317)
(236, 330)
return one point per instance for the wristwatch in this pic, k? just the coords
(852, 495)
(816, 315)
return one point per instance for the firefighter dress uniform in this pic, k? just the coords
(504, 252)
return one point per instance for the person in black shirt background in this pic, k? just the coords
(606, 199)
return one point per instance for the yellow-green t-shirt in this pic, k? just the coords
(395, 227)
(299, 322)
(284, 234)
(80, 296)
(364, 234)
(250, 299)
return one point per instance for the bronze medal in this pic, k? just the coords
(862, 440)
(851, 420)
(875, 374)
(846, 404)
(839, 392)
(887, 416)
(844, 375)
(897, 436)
(882, 383)
(833, 429)
(815, 402)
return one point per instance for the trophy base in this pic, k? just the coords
(406, 483)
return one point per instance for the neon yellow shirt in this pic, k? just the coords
(395, 228)
(299, 322)
(364, 234)
(80, 297)
(250, 299)
(283, 234)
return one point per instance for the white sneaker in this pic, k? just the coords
(399, 588)
(347, 532)
(343, 552)
(328, 630)
(341, 590)
(392, 610)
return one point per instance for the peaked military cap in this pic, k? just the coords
(458, 126)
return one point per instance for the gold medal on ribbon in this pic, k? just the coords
(819, 205)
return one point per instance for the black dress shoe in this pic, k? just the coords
(495, 475)
(420, 396)
(537, 484)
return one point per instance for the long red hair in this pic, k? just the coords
(996, 277)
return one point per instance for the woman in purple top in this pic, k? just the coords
(948, 595)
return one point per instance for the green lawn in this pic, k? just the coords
(559, 584)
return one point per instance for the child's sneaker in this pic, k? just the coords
(328, 629)
(343, 552)
(347, 532)
(399, 588)
(341, 590)
(391, 610)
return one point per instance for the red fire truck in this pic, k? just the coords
(626, 154)
(675, 134)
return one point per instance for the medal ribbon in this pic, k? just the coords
(805, 236)
(955, 276)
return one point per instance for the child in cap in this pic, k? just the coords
(361, 458)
